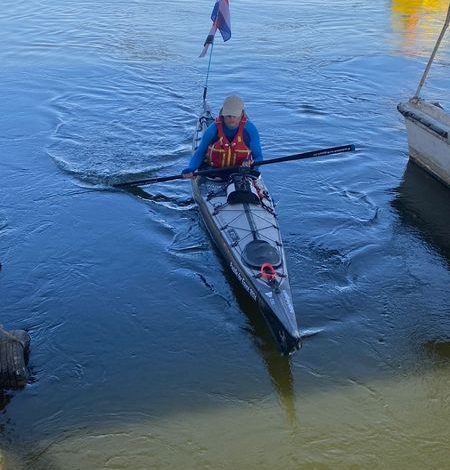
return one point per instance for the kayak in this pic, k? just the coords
(239, 215)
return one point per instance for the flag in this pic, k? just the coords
(220, 17)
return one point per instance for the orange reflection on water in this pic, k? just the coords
(418, 23)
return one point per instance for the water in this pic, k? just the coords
(145, 352)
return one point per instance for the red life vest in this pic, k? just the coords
(223, 153)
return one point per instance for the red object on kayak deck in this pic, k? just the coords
(268, 272)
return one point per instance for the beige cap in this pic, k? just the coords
(232, 106)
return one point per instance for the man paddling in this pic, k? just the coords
(232, 140)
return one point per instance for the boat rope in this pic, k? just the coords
(249, 230)
(219, 207)
(219, 192)
(251, 222)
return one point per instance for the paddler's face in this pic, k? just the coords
(232, 121)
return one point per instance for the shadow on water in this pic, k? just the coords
(277, 365)
(5, 398)
(438, 349)
(422, 203)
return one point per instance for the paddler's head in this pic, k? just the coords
(232, 110)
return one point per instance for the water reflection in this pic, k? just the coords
(423, 202)
(278, 366)
(419, 23)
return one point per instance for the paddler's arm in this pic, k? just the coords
(254, 142)
(199, 155)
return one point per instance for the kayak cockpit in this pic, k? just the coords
(258, 252)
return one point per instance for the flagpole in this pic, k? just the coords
(220, 17)
(205, 88)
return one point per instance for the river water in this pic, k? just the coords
(145, 352)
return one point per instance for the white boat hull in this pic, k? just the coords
(428, 128)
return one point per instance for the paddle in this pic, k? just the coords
(297, 156)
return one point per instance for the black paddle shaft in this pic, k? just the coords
(297, 156)
(312, 154)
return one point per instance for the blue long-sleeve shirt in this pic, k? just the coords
(251, 139)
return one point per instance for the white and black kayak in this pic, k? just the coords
(240, 217)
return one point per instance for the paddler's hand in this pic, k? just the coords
(187, 173)
(247, 163)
